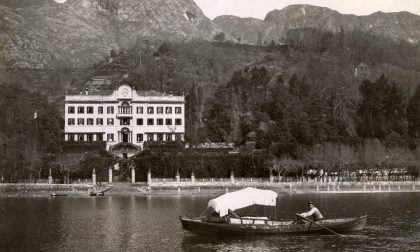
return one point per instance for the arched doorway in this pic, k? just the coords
(125, 135)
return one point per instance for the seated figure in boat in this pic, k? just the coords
(313, 212)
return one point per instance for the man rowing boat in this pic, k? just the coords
(314, 212)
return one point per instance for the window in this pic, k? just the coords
(159, 110)
(99, 137)
(110, 110)
(71, 121)
(139, 110)
(178, 121)
(89, 121)
(125, 121)
(71, 110)
(80, 121)
(168, 137)
(99, 121)
(89, 137)
(110, 137)
(110, 121)
(168, 110)
(71, 137)
(150, 137)
(80, 110)
(81, 137)
(140, 121)
(168, 122)
(159, 121)
(160, 137)
(178, 110)
(100, 110)
(150, 110)
(89, 110)
(178, 137)
(139, 137)
(150, 121)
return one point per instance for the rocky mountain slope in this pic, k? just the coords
(398, 26)
(44, 34)
(80, 32)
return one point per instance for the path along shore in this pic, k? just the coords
(216, 187)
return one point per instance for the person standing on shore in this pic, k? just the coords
(314, 212)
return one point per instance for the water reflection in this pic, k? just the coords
(150, 223)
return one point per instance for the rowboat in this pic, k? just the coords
(249, 226)
(229, 223)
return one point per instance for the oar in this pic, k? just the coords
(109, 188)
(332, 231)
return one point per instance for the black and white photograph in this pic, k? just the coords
(209, 125)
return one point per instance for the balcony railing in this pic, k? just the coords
(125, 110)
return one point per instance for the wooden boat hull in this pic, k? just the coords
(198, 226)
(96, 194)
(58, 194)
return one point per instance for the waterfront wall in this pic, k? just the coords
(383, 186)
(31, 187)
(287, 187)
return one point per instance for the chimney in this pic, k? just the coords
(87, 91)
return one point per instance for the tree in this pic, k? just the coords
(164, 48)
(27, 140)
(194, 116)
(395, 110)
(218, 117)
(220, 37)
(373, 107)
(413, 114)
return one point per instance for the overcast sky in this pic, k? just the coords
(259, 8)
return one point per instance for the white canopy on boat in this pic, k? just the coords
(242, 198)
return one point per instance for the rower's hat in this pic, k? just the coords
(310, 202)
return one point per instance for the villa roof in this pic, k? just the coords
(106, 92)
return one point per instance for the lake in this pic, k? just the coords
(150, 223)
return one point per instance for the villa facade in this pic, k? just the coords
(124, 116)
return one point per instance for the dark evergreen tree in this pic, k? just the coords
(218, 117)
(27, 140)
(395, 110)
(413, 114)
(371, 110)
(193, 116)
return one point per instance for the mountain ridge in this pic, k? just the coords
(394, 25)
(82, 32)
(79, 33)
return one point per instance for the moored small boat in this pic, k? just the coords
(229, 223)
(58, 194)
(99, 193)
(96, 194)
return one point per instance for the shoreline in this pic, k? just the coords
(188, 188)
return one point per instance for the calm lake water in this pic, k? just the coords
(150, 223)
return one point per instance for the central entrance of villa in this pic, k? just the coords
(125, 135)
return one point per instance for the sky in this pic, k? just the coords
(259, 8)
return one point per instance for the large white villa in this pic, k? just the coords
(124, 116)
